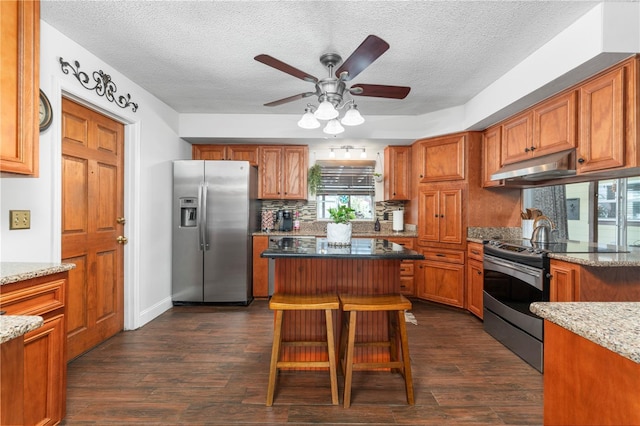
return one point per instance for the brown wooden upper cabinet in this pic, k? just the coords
(226, 152)
(397, 173)
(283, 172)
(440, 215)
(608, 120)
(19, 86)
(441, 159)
(491, 156)
(544, 129)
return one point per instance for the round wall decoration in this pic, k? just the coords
(46, 115)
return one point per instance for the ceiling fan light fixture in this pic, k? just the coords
(333, 127)
(326, 111)
(352, 117)
(308, 120)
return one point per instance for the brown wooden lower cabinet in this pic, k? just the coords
(585, 383)
(441, 280)
(475, 286)
(407, 267)
(45, 361)
(260, 267)
(12, 382)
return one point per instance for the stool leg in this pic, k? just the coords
(275, 356)
(393, 338)
(404, 340)
(332, 356)
(349, 358)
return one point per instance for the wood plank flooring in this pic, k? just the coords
(209, 365)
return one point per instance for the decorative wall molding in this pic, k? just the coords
(104, 85)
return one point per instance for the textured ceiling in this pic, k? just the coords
(197, 56)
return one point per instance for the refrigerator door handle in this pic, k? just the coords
(204, 244)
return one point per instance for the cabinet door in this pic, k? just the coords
(270, 172)
(442, 159)
(208, 152)
(243, 152)
(260, 267)
(601, 144)
(517, 138)
(450, 216)
(491, 156)
(564, 282)
(19, 86)
(475, 286)
(45, 383)
(554, 125)
(294, 177)
(397, 173)
(441, 282)
(429, 216)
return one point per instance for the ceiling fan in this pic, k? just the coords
(331, 91)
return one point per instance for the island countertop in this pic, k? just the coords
(360, 248)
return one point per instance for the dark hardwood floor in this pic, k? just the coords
(209, 365)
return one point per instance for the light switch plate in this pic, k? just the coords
(20, 219)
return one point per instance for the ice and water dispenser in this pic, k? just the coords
(188, 212)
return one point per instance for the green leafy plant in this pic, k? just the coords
(314, 179)
(342, 214)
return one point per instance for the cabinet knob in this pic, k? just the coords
(441, 215)
(526, 150)
(533, 148)
(580, 160)
(436, 215)
(479, 272)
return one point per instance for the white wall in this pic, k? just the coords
(151, 142)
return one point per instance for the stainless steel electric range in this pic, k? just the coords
(516, 274)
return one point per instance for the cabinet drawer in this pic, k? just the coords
(407, 286)
(406, 268)
(444, 255)
(475, 251)
(35, 300)
(404, 242)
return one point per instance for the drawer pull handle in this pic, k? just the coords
(441, 255)
(475, 252)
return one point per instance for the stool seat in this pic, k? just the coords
(293, 302)
(394, 305)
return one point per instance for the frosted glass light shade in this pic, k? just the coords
(326, 111)
(352, 117)
(333, 127)
(308, 121)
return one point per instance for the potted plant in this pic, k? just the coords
(339, 231)
(314, 178)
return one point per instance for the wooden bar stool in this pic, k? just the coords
(290, 302)
(394, 305)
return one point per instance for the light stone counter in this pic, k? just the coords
(632, 258)
(12, 326)
(612, 325)
(11, 272)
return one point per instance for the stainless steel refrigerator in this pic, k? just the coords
(215, 211)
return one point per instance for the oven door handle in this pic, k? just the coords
(532, 276)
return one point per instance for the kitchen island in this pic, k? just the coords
(311, 266)
(591, 362)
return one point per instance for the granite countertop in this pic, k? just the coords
(360, 248)
(11, 272)
(372, 234)
(12, 326)
(612, 325)
(632, 258)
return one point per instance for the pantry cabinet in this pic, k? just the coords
(397, 173)
(546, 128)
(45, 358)
(440, 215)
(19, 86)
(282, 172)
(226, 152)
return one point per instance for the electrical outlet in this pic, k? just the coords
(20, 219)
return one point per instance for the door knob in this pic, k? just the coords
(122, 240)
(121, 220)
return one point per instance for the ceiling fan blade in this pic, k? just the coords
(281, 66)
(370, 50)
(380, 91)
(290, 99)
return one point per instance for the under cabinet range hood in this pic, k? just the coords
(558, 165)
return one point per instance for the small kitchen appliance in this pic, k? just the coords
(286, 221)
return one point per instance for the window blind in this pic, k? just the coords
(347, 177)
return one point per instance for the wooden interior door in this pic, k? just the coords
(92, 225)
